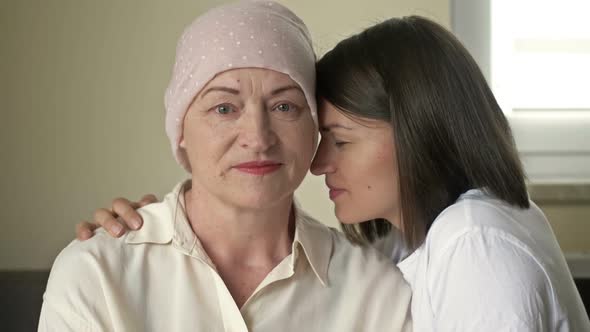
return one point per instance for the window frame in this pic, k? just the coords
(554, 145)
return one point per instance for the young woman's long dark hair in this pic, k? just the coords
(449, 132)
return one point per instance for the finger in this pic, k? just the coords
(85, 230)
(107, 219)
(126, 211)
(148, 199)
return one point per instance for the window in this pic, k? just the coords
(536, 56)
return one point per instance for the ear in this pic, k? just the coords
(182, 144)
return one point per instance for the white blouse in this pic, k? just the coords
(160, 278)
(488, 266)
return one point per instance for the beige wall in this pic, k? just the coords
(571, 224)
(81, 86)
(81, 99)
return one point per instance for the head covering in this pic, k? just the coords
(246, 34)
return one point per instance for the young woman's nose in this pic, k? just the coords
(322, 163)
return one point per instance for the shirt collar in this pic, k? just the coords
(317, 243)
(166, 223)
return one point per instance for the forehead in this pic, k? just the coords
(331, 117)
(259, 76)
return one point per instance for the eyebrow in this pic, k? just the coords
(286, 88)
(220, 89)
(327, 128)
(237, 92)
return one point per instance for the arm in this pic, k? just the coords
(117, 220)
(57, 318)
(74, 297)
(487, 282)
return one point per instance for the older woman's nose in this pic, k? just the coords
(256, 130)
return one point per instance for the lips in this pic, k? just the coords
(259, 167)
(334, 192)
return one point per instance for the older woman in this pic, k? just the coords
(227, 250)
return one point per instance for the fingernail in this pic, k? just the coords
(116, 229)
(135, 223)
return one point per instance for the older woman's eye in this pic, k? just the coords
(284, 107)
(224, 109)
(286, 111)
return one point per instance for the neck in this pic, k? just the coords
(254, 237)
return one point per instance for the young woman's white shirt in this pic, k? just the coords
(488, 266)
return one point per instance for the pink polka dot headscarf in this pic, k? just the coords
(246, 34)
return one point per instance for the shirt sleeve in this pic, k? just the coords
(485, 281)
(73, 296)
(57, 318)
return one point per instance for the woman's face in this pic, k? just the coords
(358, 158)
(249, 136)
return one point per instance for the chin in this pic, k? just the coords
(256, 199)
(348, 218)
(350, 215)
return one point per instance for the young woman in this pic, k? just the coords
(414, 142)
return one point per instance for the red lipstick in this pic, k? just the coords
(259, 167)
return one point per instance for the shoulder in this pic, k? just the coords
(371, 278)
(486, 264)
(480, 237)
(480, 248)
(477, 213)
(367, 269)
(77, 279)
(82, 260)
(359, 256)
(355, 256)
(84, 272)
(361, 264)
(103, 253)
(99, 246)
